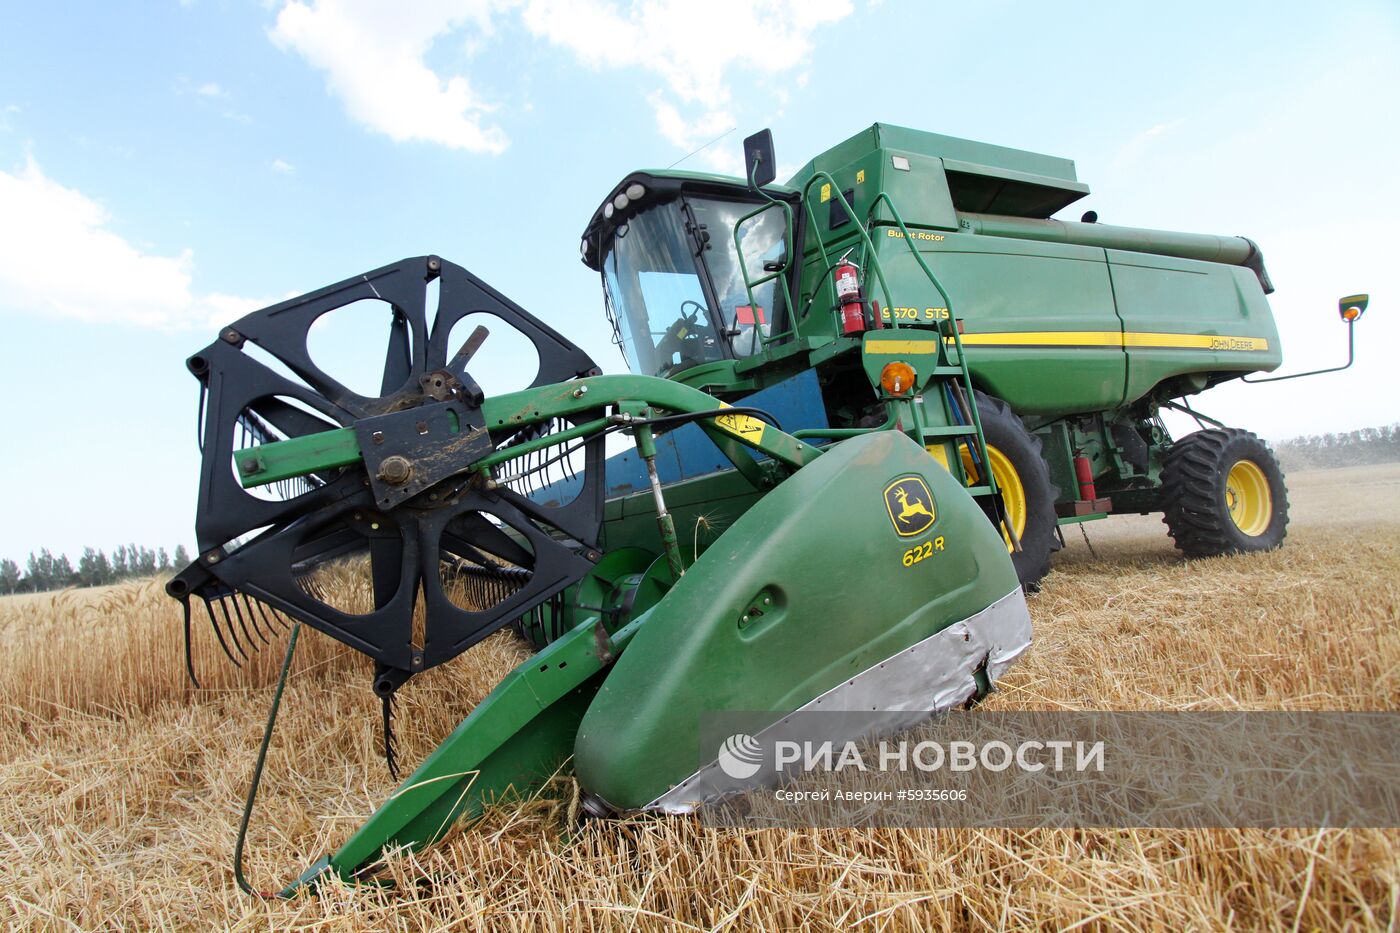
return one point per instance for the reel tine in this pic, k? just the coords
(228, 623)
(251, 616)
(242, 623)
(390, 758)
(249, 602)
(189, 654)
(313, 588)
(281, 618)
(263, 610)
(214, 624)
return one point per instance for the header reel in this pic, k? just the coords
(455, 550)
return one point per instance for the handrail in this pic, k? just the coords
(787, 260)
(872, 260)
(909, 241)
(860, 229)
(952, 321)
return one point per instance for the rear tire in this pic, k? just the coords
(1017, 448)
(1223, 493)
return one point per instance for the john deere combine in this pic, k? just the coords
(859, 406)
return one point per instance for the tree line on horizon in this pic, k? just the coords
(1350, 448)
(43, 571)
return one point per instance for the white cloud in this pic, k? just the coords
(282, 168)
(694, 48)
(1161, 128)
(1136, 147)
(212, 89)
(373, 56)
(692, 134)
(58, 258)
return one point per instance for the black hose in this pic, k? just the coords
(688, 416)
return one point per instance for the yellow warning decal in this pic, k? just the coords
(902, 347)
(860, 176)
(940, 454)
(745, 427)
(1113, 338)
(826, 193)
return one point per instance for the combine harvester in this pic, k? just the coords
(841, 483)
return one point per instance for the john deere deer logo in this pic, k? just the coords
(910, 505)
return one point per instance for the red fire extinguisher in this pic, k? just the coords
(848, 296)
(1084, 473)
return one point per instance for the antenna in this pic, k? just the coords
(702, 148)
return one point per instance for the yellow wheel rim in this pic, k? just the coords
(1248, 498)
(1013, 493)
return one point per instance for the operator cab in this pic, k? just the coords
(695, 269)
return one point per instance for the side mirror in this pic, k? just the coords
(1352, 307)
(760, 164)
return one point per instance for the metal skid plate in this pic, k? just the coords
(409, 506)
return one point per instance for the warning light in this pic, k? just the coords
(897, 378)
(1352, 307)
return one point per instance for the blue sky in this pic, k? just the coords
(165, 167)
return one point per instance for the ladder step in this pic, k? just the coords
(957, 430)
(979, 490)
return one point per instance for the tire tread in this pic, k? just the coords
(1193, 493)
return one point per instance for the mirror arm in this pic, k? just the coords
(1351, 358)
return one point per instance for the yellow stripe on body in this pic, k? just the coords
(1057, 338)
(909, 347)
(1113, 338)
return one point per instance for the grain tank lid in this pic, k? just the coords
(989, 189)
(982, 178)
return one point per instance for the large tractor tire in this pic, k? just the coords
(1023, 477)
(1223, 493)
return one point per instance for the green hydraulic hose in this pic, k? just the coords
(258, 771)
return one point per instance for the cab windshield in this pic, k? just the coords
(672, 312)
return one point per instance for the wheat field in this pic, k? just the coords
(121, 785)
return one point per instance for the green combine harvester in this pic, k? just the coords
(860, 406)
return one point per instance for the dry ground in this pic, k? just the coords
(120, 787)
